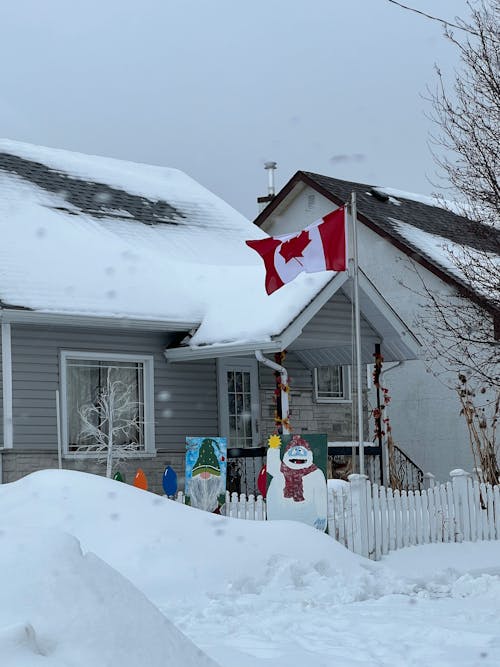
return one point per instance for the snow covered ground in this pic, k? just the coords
(87, 563)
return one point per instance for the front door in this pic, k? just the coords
(239, 402)
(239, 411)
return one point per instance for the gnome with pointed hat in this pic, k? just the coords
(205, 486)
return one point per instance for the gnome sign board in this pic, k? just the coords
(296, 469)
(206, 473)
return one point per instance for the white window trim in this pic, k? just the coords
(148, 389)
(346, 377)
(245, 364)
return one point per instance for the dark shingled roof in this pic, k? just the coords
(96, 199)
(430, 219)
(382, 213)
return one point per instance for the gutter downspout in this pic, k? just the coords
(284, 382)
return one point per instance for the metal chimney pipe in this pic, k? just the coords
(270, 167)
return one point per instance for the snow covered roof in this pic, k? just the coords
(93, 236)
(416, 223)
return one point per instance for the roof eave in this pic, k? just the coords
(198, 353)
(19, 316)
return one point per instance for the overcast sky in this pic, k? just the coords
(218, 87)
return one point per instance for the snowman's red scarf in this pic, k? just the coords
(294, 487)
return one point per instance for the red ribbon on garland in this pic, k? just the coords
(378, 412)
(280, 420)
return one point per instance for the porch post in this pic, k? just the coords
(7, 385)
(384, 456)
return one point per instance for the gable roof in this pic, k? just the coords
(415, 224)
(92, 240)
(89, 237)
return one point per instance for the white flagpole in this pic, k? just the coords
(357, 335)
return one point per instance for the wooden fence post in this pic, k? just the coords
(461, 503)
(359, 513)
(429, 480)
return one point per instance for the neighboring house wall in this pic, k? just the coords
(185, 397)
(424, 410)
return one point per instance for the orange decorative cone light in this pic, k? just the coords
(140, 479)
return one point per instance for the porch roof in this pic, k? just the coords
(320, 337)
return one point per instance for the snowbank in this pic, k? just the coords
(60, 607)
(170, 550)
(247, 593)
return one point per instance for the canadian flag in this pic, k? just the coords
(319, 247)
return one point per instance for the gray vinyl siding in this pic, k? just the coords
(332, 327)
(325, 340)
(328, 338)
(1, 394)
(185, 394)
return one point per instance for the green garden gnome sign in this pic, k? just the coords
(206, 463)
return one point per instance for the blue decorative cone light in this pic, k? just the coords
(169, 481)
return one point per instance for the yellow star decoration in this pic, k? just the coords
(274, 441)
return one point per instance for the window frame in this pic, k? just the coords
(147, 362)
(238, 364)
(346, 385)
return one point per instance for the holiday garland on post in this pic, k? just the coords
(379, 410)
(280, 420)
(382, 421)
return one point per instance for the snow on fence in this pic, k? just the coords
(240, 506)
(372, 520)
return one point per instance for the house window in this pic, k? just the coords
(87, 382)
(331, 383)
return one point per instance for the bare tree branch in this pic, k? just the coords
(462, 327)
(433, 18)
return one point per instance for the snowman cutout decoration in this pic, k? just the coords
(297, 489)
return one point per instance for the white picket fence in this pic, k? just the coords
(372, 520)
(240, 506)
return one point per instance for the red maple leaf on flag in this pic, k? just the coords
(293, 248)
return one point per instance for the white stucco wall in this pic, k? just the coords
(424, 411)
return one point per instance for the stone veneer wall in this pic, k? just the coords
(308, 416)
(17, 464)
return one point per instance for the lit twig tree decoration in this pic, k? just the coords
(111, 424)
